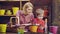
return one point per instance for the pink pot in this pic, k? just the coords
(53, 29)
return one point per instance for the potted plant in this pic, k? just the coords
(53, 28)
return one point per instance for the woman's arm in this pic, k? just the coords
(17, 16)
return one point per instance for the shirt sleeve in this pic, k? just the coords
(18, 13)
(43, 23)
(19, 16)
(34, 21)
(32, 17)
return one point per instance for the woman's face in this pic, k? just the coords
(29, 10)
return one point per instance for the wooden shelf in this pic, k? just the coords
(7, 15)
(24, 0)
(14, 0)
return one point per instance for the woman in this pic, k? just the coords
(25, 16)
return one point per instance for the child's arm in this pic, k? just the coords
(42, 25)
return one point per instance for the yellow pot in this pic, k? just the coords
(8, 12)
(33, 28)
(2, 11)
(15, 9)
(3, 28)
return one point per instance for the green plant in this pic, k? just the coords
(55, 24)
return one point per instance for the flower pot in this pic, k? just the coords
(53, 29)
(15, 9)
(2, 11)
(33, 28)
(3, 28)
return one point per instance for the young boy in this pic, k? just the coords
(39, 20)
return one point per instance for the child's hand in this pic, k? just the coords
(41, 27)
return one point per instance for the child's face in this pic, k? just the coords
(40, 13)
(40, 17)
(29, 10)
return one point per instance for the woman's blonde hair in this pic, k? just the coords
(26, 5)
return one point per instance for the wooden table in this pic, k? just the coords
(24, 33)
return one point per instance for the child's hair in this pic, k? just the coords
(41, 12)
(26, 5)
